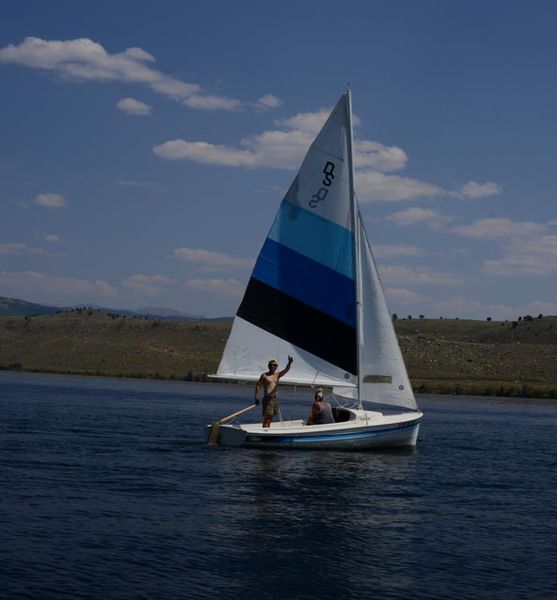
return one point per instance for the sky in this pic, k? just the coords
(145, 147)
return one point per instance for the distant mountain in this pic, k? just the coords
(153, 312)
(12, 307)
(168, 313)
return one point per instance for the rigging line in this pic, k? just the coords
(356, 245)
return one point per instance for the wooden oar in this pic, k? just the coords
(215, 427)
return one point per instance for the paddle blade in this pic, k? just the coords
(214, 434)
(215, 427)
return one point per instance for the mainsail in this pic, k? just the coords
(302, 296)
(300, 299)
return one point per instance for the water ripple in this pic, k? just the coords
(109, 491)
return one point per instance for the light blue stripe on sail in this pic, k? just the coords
(314, 237)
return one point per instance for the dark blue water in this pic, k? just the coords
(107, 490)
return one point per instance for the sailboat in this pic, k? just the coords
(315, 294)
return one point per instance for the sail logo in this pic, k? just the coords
(329, 172)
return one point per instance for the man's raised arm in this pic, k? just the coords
(287, 368)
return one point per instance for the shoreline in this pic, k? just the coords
(497, 389)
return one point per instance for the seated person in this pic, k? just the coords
(321, 411)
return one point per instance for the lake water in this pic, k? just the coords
(109, 491)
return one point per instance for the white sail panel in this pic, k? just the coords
(384, 378)
(250, 348)
(322, 184)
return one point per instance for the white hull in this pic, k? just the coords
(362, 430)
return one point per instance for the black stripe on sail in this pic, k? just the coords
(300, 324)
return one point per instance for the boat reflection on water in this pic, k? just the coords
(335, 518)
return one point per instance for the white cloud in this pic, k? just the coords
(213, 261)
(395, 275)
(310, 122)
(390, 250)
(136, 183)
(213, 102)
(373, 186)
(204, 153)
(403, 296)
(102, 287)
(535, 256)
(499, 228)
(51, 200)
(538, 306)
(480, 190)
(268, 101)
(148, 285)
(278, 149)
(284, 148)
(414, 215)
(85, 60)
(41, 287)
(369, 154)
(274, 149)
(225, 287)
(461, 307)
(14, 248)
(52, 238)
(131, 106)
(17, 248)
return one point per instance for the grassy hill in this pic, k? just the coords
(442, 355)
(91, 342)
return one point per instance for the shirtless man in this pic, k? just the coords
(269, 381)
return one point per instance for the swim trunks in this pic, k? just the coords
(270, 406)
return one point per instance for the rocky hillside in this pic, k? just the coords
(481, 353)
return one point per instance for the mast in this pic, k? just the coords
(357, 243)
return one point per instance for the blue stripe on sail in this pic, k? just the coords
(319, 239)
(300, 324)
(306, 280)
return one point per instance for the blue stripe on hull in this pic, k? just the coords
(319, 239)
(307, 280)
